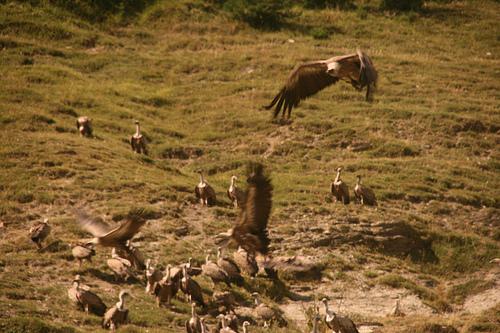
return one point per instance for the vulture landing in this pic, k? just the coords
(105, 235)
(250, 232)
(309, 78)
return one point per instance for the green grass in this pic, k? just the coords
(196, 79)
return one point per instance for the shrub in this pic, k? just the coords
(268, 14)
(344, 4)
(402, 5)
(319, 33)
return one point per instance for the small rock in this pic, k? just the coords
(293, 41)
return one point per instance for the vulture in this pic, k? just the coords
(191, 287)
(224, 299)
(192, 270)
(83, 252)
(235, 194)
(193, 325)
(122, 268)
(245, 325)
(204, 327)
(364, 195)
(84, 126)
(338, 323)
(153, 277)
(229, 266)
(132, 254)
(166, 288)
(39, 232)
(138, 141)
(250, 232)
(397, 312)
(118, 314)
(225, 328)
(339, 189)
(309, 78)
(214, 272)
(204, 192)
(263, 311)
(85, 299)
(106, 235)
(247, 263)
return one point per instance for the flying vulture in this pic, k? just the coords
(309, 78)
(106, 235)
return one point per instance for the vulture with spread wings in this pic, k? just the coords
(309, 78)
(106, 235)
(250, 232)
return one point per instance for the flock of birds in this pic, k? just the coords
(249, 234)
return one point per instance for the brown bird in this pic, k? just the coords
(204, 192)
(132, 254)
(250, 232)
(117, 315)
(214, 272)
(83, 252)
(225, 328)
(263, 311)
(106, 235)
(193, 325)
(84, 126)
(153, 277)
(138, 141)
(122, 268)
(309, 78)
(339, 189)
(245, 325)
(338, 323)
(234, 193)
(85, 299)
(246, 262)
(166, 289)
(229, 266)
(364, 195)
(39, 232)
(224, 299)
(191, 269)
(191, 287)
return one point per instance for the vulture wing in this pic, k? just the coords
(92, 225)
(126, 230)
(251, 231)
(304, 81)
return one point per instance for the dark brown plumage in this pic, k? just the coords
(204, 192)
(84, 126)
(309, 78)
(250, 232)
(192, 288)
(214, 272)
(364, 195)
(85, 299)
(138, 141)
(224, 299)
(112, 236)
(153, 277)
(166, 289)
(340, 190)
(39, 232)
(132, 254)
(229, 266)
(338, 323)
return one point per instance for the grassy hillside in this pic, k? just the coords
(196, 79)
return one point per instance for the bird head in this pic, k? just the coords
(246, 323)
(124, 293)
(233, 178)
(324, 300)
(46, 220)
(339, 169)
(136, 122)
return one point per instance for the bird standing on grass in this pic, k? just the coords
(340, 190)
(117, 315)
(138, 141)
(39, 232)
(363, 194)
(204, 192)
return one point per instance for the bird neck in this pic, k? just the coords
(223, 321)
(121, 303)
(137, 129)
(193, 312)
(337, 178)
(256, 300)
(326, 309)
(358, 181)
(245, 329)
(232, 182)
(207, 259)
